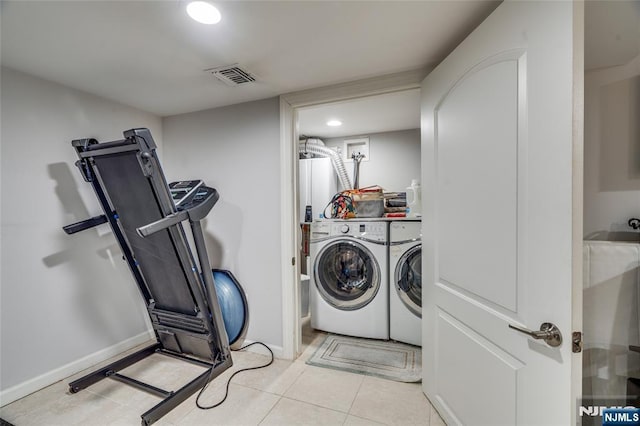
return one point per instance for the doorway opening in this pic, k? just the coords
(611, 281)
(292, 106)
(385, 130)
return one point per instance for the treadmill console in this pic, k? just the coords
(202, 194)
(184, 190)
(194, 197)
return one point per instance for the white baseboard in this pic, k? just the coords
(27, 387)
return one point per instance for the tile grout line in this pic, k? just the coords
(354, 399)
(315, 405)
(249, 386)
(295, 380)
(270, 410)
(309, 367)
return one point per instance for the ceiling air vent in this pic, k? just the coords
(232, 75)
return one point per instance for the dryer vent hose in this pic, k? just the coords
(315, 146)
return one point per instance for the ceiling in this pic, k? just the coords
(612, 33)
(151, 55)
(373, 114)
(612, 38)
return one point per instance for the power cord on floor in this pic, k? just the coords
(226, 392)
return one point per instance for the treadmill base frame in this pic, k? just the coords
(170, 399)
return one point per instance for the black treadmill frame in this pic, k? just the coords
(207, 323)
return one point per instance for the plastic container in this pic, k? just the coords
(369, 204)
(414, 199)
(304, 295)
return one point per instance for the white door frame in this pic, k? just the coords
(289, 222)
(577, 201)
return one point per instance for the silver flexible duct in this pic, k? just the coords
(314, 146)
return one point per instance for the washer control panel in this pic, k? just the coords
(375, 231)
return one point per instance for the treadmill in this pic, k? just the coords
(179, 292)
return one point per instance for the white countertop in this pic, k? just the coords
(371, 219)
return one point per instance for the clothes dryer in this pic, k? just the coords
(349, 279)
(405, 278)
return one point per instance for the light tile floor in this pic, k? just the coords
(285, 393)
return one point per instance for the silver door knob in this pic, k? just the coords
(548, 332)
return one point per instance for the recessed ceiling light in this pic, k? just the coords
(203, 12)
(334, 123)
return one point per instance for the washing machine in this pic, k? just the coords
(349, 280)
(405, 280)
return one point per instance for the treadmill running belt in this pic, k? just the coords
(156, 254)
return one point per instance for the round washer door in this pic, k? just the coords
(347, 275)
(409, 279)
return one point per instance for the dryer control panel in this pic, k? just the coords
(405, 231)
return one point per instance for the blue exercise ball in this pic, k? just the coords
(233, 304)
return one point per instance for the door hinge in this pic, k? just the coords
(293, 261)
(576, 342)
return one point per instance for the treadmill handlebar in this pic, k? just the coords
(195, 210)
(85, 224)
(164, 223)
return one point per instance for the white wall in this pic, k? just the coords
(235, 149)
(394, 159)
(612, 150)
(67, 302)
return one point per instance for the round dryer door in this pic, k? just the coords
(409, 279)
(347, 275)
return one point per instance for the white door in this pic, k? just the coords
(497, 160)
